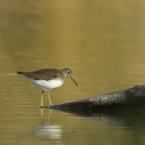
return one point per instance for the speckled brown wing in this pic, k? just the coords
(43, 74)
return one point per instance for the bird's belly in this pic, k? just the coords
(47, 85)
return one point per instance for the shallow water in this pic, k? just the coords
(102, 42)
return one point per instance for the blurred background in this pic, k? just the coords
(101, 41)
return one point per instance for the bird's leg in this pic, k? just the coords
(49, 98)
(42, 99)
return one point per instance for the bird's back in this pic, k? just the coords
(43, 74)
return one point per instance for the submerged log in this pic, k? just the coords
(132, 97)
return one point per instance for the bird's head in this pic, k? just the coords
(68, 73)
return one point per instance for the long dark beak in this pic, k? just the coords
(73, 79)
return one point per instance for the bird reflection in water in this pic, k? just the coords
(53, 132)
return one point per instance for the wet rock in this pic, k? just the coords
(132, 97)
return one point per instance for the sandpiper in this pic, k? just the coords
(48, 79)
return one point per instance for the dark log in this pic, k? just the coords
(132, 97)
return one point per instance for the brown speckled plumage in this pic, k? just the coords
(44, 74)
(47, 74)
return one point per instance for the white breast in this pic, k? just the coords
(47, 85)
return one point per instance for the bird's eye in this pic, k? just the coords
(68, 72)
